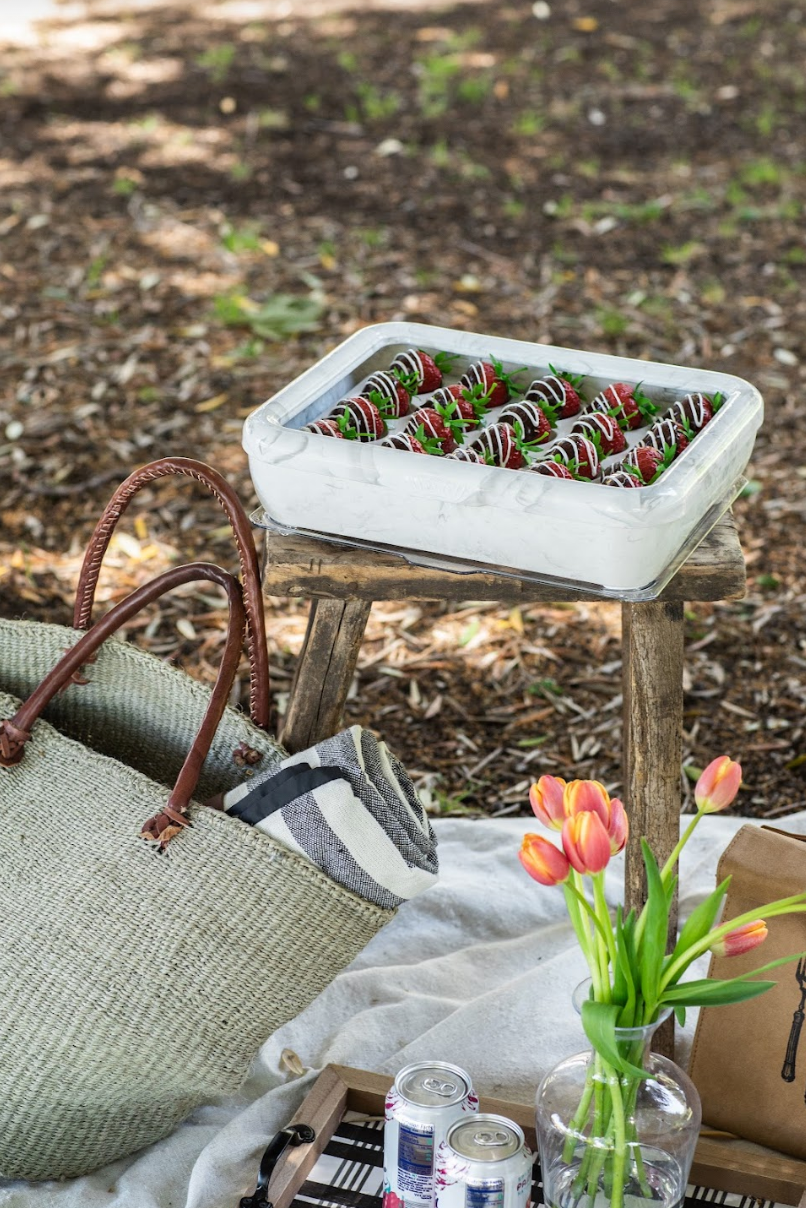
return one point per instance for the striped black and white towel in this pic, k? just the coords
(348, 806)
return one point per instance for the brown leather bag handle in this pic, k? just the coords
(15, 733)
(259, 688)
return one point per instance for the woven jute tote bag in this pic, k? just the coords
(137, 982)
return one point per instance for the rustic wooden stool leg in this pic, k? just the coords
(324, 671)
(653, 726)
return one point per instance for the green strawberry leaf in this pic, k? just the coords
(444, 361)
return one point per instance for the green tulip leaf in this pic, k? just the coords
(599, 1021)
(656, 927)
(701, 920)
(711, 993)
(680, 1016)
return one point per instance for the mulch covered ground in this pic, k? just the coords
(199, 201)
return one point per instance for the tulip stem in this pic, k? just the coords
(666, 871)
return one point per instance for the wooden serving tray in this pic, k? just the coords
(726, 1171)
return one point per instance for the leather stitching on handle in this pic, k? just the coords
(259, 686)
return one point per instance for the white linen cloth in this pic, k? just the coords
(477, 970)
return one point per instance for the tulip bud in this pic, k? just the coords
(741, 939)
(543, 861)
(546, 800)
(718, 785)
(618, 828)
(586, 842)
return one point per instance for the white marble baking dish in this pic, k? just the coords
(622, 542)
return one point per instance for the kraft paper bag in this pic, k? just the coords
(748, 1061)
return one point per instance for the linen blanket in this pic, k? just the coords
(477, 970)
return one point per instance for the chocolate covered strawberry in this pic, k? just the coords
(467, 453)
(363, 415)
(326, 427)
(419, 372)
(499, 446)
(427, 422)
(621, 478)
(557, 394)
(388, 394)
(646, 462)
(551, 469)
(696, 410)
(668, 437)
(408, 443)
(630, 407)
(528, 421)
(603, 431)
(579, 454)
(497, 385)
(458, 408)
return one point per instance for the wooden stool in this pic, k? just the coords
(343, 582)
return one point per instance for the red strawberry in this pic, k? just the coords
(551, 469)
(668, 437)
(499, 446)
(557, 396)
(628, 404)
(621, 478)
(409, 443)
(497, 385)
(388, 394)
(696, 410)
(647, 462)
(326, 427)
(420, 372)
(603, 431)
(429, 423)
(363, 415)
(579, 454)
(473, 402)
(528, 421)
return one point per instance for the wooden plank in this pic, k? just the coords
(734, 1165)
(652, 676)
(324, 671)
(322, 1108)
(304, 566)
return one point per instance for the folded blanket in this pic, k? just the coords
(348, 806)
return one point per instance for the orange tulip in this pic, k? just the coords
(741, 939)
(591, 797)
(543, 861)
(718, 785)
(546, 800)
(586, 842)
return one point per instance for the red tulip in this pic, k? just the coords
(618, 828)
(718, 785)
(587, 796)
(546, 800)
(586, 842)
(591, 797)
(543, 861)
(741, 939)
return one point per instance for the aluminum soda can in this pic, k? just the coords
(484, 1163)
(425, 1100)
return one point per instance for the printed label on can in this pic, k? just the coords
(489, 1194)
(415, 1161)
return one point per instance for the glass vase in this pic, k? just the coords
(611, 1140)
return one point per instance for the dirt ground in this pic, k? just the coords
(198, 201)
